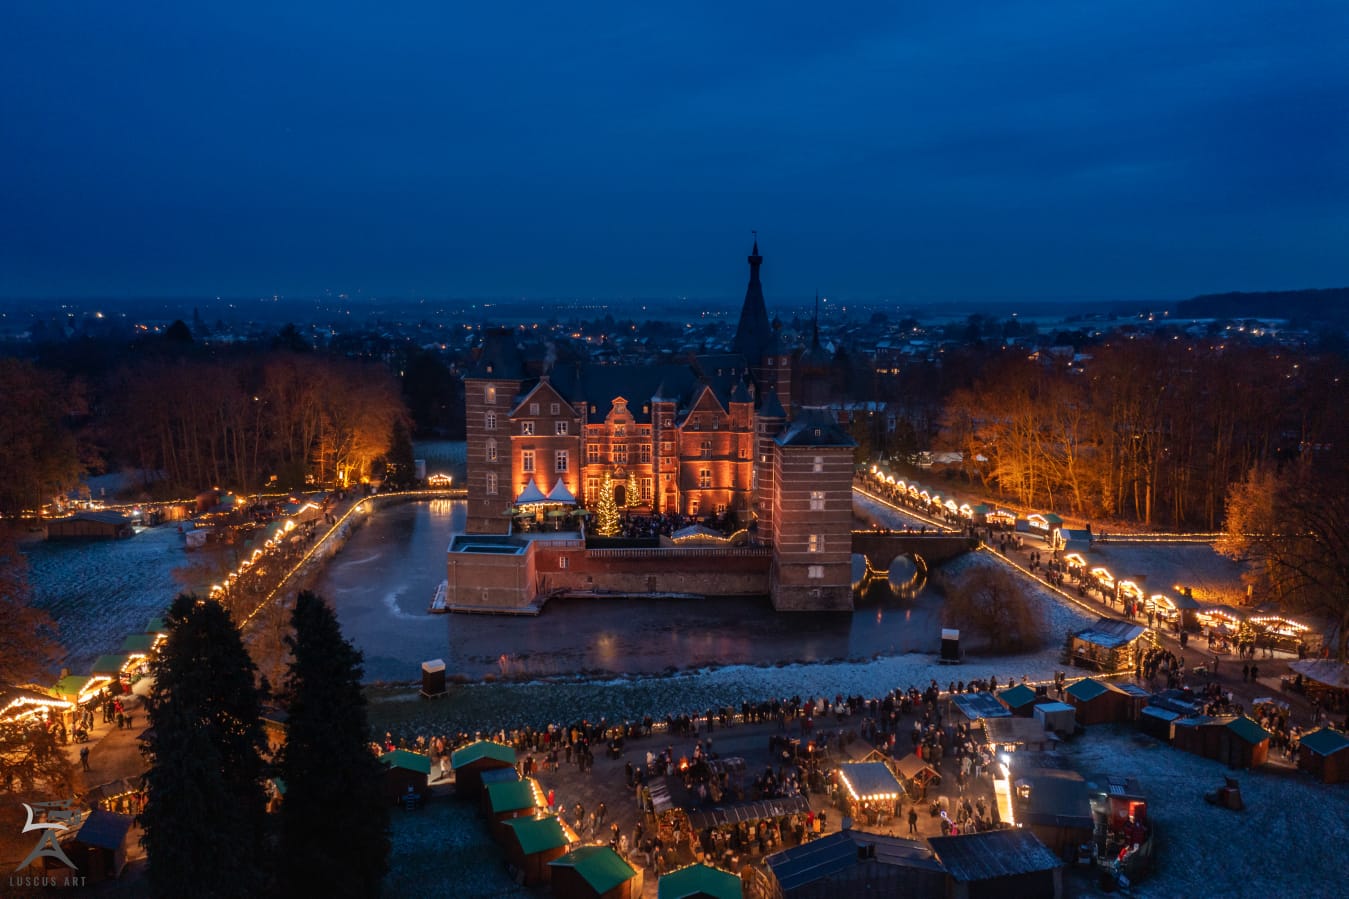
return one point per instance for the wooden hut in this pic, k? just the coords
(470, 761)
(531, 843)
(699, 881)
(1129, 700)
(99, 847)
(1156, 721)
(1003, 863)
(100, 525)
(1107, 646)
(405, 774)
(977, 706)
(1018, 700)
(594, 872)
(855, 863)
(1199, 735)
(1325, 754)
(1016, 734)
(1243, 743)
(1056, 716)
(1055, 805)
(1092, 701)
(518, 799)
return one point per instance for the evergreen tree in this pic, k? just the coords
(334, 821)
(205, 814)
(400, 468)
(606, 512)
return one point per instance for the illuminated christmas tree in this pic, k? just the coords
(606, 511)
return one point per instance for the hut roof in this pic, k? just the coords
(110, 664)
(71, 684)
(1248, 730)
(1110, 633)
(1015, 730)
(1087, 689)
(699, 880)
(911, 766)
(1017, 696)
(1131, 690)
(538, 834)
(837, 852)
(748, 811)
(138, 643)
(482, 749)
(499, 775)
(1325, 741)
(1323, 671)
(105, 830)
(870, 780)
(510, 796)
(993, 853)
(599, 866)
(410, 761)
(980, 705)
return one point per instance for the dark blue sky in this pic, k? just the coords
(919, 150)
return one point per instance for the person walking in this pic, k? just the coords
(913, 820)
(84, 757)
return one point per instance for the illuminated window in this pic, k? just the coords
(491, 450)
(560, 460)
(533, 408)
(819, 463)
(491, 482)
(815, 544)
(707, 449)
(644, 452)
(489, 394)
(527, 429)
(721, 508)
(562, 562)
(817, 500)
(704, 477)
(592, 453)
(667, 422)
(489, 421)
(526, 460)
(620, 430)
(693, 506)
(815, 571)
(560, 428)
(592, 490)
(646, 488)
(620, 454)
(554, 408)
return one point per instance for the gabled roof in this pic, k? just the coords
(105, 830)
(408, 761)
(560, 494)
(500, 358)
(814, 427)
(699, 880)
(138, 643)
(509, 796)
(482, 749)
(531, 494)
(1087, 689)
(870, 780)
(837, 852)
(1248, 730)
(973, 857)
(110, 664)
(980, 705)
(537, 834)
(1017, 696)
(1111, 633)
(772, 406)
(599, 866)
(1325, 741)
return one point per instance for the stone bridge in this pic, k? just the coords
(882, 548)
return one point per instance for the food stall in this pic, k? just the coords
(1277, 632)
(870, 790)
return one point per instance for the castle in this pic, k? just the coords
(718, 435)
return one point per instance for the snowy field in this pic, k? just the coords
(446, 836)
(1288, 842)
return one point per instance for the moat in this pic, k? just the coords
(382, 581)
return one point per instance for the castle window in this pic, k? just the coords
(560, 428)
(533, 408)
(560, 459)
(489, 421)
(744, 452)
(815, 544)
(817, 500)
(667, 447)
(554, 408)
(721, 508)
(491, 482)
(491, 447)
(704, 477)
(817, 432)
(527, 460)
(592, 490)
(707, 449)
(527, 430)
(667, 422)
(592, 453)
(489, 394)
(620, 430)
(815, 572)
(561, 561)
(620, 451)
(646, 489)
(644, 452)
(819, 463)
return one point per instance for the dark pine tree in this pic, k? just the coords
(205, 815)
(334, 820)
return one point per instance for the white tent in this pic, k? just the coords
(560, 494)
(531, 494)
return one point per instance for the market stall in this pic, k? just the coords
(916, 774)
(1325, 755)
(1277, 632)
(531, 843)
(870, 790)
(699, 881)
(1108, 646)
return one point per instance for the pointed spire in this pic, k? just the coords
(753, 333)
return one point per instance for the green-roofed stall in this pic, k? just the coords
(470, 761)
(138, 643)
(1325, 754)
(1091, 700)
(594, 872)
(531, 843)
(699, 882)
(511, 799)
(1244, 744)
(405, 772)
(110, 665)
(1020, 700)
(71, 686)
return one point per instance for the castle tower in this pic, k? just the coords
(768, 425)
(490, 392)
(812, 515)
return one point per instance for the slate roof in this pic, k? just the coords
(599, 866)
(537, 834)
(772, 406)
(813, 427)
(753, 333)
(969, 858)
(500, 357)
(482, 749)
(1325, 741)
(699, 880)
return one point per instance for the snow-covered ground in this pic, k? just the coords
(1288, 842)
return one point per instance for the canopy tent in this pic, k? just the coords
(560, 494)
(869, 781)
(531, 495)
(699, 880)
(748, 811)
